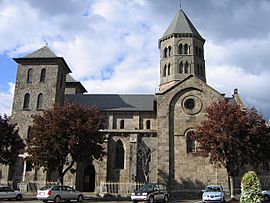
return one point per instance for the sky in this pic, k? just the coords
(111, 46)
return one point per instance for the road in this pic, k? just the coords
(37, 201)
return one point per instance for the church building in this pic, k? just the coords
(148, 136)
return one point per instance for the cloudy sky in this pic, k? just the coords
(111, 46)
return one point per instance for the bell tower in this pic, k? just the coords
(181, 52)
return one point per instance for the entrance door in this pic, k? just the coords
(89, 179)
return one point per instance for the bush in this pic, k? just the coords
(251, 188)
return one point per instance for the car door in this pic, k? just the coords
(71, 193)
(9, 192)
(156, 192)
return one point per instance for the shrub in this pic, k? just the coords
(251, 188)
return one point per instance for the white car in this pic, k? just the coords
(213, 193)
(58, 193)
(7, 192)
(266, 194)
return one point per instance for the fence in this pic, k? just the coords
(118, 188)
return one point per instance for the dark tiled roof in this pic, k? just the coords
(44, 52)
(115, 102)
(69, 78)
(181, 24)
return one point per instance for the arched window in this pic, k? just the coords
(148, 124)
(186, 67)
(164, 70)
(40, 101)
(186, 49)
(169, 51)
(119, 155)
(165, 52)
(180, 49)
(196, 51)
(169, 69)
(200, 53)
(180, 67)
(122, 124)
(43, 75)
(0, 174)
(26, 101)
(191, 145)
(202, 72)
(29, 133)
(30, 75)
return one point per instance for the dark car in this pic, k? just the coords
(151, 192)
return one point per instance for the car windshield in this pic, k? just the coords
(212, 189)
(146, 188)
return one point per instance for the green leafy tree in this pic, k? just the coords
(11, 143)
(251, 188)
(232, 137)
(64, 135)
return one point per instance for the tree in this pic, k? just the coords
(11, 143)
(232, 137)
(64, 135)
(251, 188)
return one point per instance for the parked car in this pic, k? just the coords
(58, 193)
(7, 192)
(151, 192)
(213, 193)
(266, 194)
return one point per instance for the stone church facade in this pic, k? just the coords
(147, 135)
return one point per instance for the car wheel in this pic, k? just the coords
(266, 198)
(19, 197)
(80, 198)
(151, 199)
(57, 199)
(166, 198)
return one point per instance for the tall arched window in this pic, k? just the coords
(30, 75)
(191, 145)
(186, 67)
(43, 75)
(164, 70)
(40, 101)
(119, 155)
(180, 67)
(148, 124)
(26, 101)
(122, 124)
(169, 51)
(169, 69)
(180, 49)
(185, 49)
(165, 52)
(29, 133)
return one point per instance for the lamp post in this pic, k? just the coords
(24, 155)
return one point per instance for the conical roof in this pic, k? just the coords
(44, 52)
(182, 25)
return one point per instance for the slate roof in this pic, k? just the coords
(43, 52)
(181, 24)
(115, 102)
(69, 78)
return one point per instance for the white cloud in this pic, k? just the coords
(6, 100)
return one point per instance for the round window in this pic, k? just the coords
(192, 105)
(189, 104)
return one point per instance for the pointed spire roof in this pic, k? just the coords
(43, 52)
(181, 25)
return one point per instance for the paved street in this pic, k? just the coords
(34, 201)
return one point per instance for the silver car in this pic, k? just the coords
(58, 193)
(8, 193)
(213, 193)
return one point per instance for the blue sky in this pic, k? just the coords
(111, 45)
